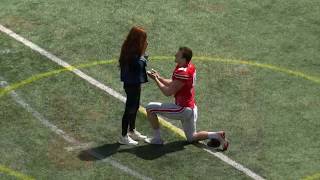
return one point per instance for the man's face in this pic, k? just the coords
(179, 58)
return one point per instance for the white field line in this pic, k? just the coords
(80, 147)
(61, 63)
(233, 163)
(37, 115)
(69, 139)
(114, 93)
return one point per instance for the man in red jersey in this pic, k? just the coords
(181, 86)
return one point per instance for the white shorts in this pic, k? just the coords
(186, 115)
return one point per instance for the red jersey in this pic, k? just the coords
(185, 97)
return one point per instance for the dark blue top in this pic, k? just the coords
(135, 73)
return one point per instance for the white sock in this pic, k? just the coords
(156, 133)
(213, 135)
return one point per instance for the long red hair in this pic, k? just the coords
(133, 46)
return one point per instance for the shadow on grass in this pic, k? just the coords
(147, 152)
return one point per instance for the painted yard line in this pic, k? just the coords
(61, 62)
(10, 172)
(98, 84)
(68, 138)
(118, 165)
(232, 162)
(37, 77)
(312, 177)
(37, 115)
(252, 63)
(83, 146)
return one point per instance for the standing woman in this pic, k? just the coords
(132, 64)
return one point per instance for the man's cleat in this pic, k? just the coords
(224, 142)
(225, 146)
(126, 140)
(214, 143)
(137, 136)
(154, 141)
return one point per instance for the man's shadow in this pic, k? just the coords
(147, 152)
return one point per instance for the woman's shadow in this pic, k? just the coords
(147, 152)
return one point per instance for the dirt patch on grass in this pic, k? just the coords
(95, 115)
(19, 22)
(241, 70)
(64, 160)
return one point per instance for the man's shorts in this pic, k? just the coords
(186, 115)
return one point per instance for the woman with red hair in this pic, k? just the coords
(132, 63)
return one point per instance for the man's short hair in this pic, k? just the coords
(186, 53)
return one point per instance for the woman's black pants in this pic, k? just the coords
(132, 105)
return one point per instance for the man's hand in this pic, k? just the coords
(153, 74)
(149, 73)
(167, 86)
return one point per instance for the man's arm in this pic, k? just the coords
(164, 81)
(172, 89)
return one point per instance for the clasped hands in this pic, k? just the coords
(153, 74)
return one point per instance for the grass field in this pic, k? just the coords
(271, 116)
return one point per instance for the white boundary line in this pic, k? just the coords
(82, 146)
(233, 163)
(37, 115)
(114, 93)
(68, 138)
(61, 63)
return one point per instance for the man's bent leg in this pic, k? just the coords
(169, 110)
(153, 118)
(154, 121)
(199, 136)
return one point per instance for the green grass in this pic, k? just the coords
(271, 118)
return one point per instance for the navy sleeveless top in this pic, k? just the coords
(135, 73)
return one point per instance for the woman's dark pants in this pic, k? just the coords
(132, 106)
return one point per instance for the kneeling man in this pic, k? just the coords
(181, 86)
